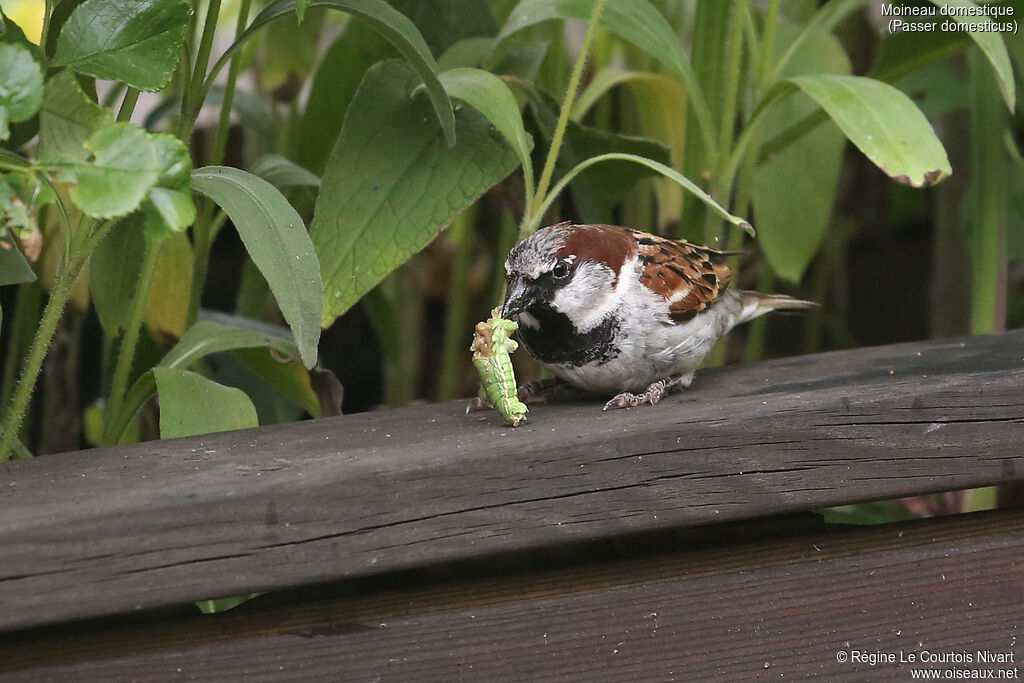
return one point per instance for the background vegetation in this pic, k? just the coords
(160, 160)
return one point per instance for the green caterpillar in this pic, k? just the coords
(491, 348)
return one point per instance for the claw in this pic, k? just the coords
(652, 394)
(478, 403)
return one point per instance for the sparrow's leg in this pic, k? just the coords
(532, 392)
(537, 390)
(654, 393)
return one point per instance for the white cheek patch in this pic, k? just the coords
(589, 297)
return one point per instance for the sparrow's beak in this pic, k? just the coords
(518, 299)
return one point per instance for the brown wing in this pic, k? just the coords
(689, 276)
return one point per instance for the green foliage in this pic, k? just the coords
(392, 183)
(883, 123)
(21, 86)
(378, 162)
(191, 404)
(278, 244)
(136, 42)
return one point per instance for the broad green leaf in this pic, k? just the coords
(445, 22)
(277, 241)
(282, 173)
(202, 339)
(114, 273)
(169, 208)
(794, 192)
(136, 42)
(393, 25)
(14, 269)
(883, 123)
(190, 404)
(991, 43)
(489, 95)
(125, 166)
(288, 53)
(636, 21)
(290, 379)
(21, 86)
(68, 117)
(392, 184)
(167, 305)
(468, 52)
(335, 81)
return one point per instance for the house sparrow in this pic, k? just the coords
(618, 311)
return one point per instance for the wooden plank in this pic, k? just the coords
(113, 530)
(772, 610)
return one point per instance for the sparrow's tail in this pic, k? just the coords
(755, 304)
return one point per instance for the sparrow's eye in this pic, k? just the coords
(561, 270)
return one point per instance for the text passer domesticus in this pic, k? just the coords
(622, 312)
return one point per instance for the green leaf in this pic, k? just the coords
(114, 273)
(600, 188)
(282, 173)
(125, 167)
(794, 192)
(21, 86)
(445, 22)
(335, 81)
(68, 117)
(290, 380)
(277, 241)
(664, 170)
(190, 404)
(300, 9)
(393, 25)
(883, 123)
(224, 604)
(468, 52)
(991, 43)
(169, 207)
(391, 184)
(489, 95)
(207, 336)
(136, 42)
(14, 269)
(636, 21)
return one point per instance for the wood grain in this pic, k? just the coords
(114, 530)
(764, 610)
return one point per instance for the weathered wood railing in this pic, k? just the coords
(321, 510)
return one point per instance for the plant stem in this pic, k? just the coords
(26, 312)
(131, 98)
(988, 219)
(62, 288)
(460, 234)
(189, 106)
(126, 354)
(47, 12)
(202, 232)
(723, 176)
(532, 218)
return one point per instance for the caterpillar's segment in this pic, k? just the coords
(491, 347)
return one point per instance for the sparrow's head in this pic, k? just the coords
(569, 269)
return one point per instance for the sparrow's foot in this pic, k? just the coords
(478, 403)
(536, 391)
(652, 394)
(532, 393)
